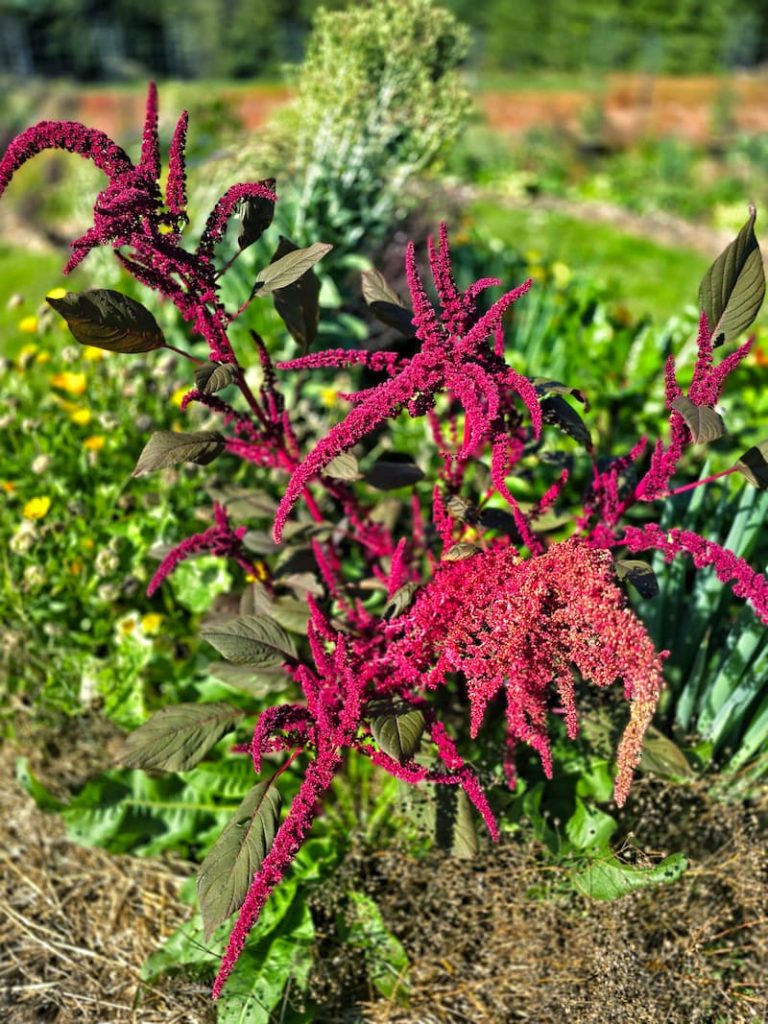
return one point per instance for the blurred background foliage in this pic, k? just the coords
(231, 39)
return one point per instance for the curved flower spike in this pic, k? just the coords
(455, 356)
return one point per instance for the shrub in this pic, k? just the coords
(454, 595)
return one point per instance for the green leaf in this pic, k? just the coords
(42, 796)
(661, 756)
(167, 448)
(397, 728)
(292, 614)
(287, 269)
(176, 738)
(445, 814)
(393, 470)
(226, 874)
(106, 319)
(212, 377)
(589, 828)
(703, 422)
(386, 960)
(609, 879)
(255, 216)
(639, 574)
(458, 552)
(250, 640)
(557, 412)
(400, 600)
(385, 304)
(733, 288)
(343, 467)
(297, 304)
(545, 386)
(260, 682)
(753, 464)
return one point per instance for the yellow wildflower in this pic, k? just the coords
(329, 397)
(56, 293)
(561, 274)
(36, 508)
(81, 416)
(94, 443)
(28, 325)
(93, 355)
(261, 575)
(72, 383)
(88, 543)
(127, 624)
(177, 396)
(8, 486)
(75, 567)
(151, 622)
(42, 357)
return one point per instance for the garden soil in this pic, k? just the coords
(497, 940)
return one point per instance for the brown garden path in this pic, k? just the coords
(698, 108)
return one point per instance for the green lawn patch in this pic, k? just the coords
(648, 277)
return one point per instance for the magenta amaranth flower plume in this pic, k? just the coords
(455, 356)
(519, 627)
(132, 213)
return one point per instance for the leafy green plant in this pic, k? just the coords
(387, 626)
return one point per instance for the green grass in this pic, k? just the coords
(649, 278)
(29, 275)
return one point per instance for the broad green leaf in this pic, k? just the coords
(298, 304)
(444, 813)
(212, 377)
(557, 412)
(661, 756)
(589, 828)
(255, 216)
(400, 600)
(386, 960)
(545, 386)
(250, 640)
(753, 464)
(733, 288)
(103, 318)
(292, 614)
(458, 552)
(287, 269)
(226, 874)
(639, 574)
(167, 448)
(176, 738)
(397, 728)
(393, 470)
(609, 879)
(703, 422)
(244, 502)
(260, 682)
(385, 304)
(343, 467)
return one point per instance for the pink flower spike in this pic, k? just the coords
(149, 164)
(176, 186)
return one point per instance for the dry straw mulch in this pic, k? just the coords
(499, 940)
(77, 923)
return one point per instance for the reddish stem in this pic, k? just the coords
(699, 483)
